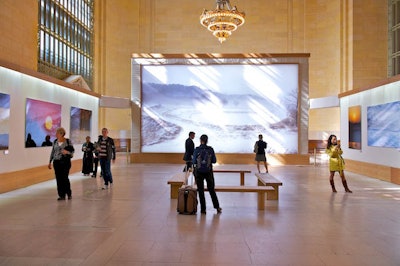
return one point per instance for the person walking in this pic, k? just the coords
(203, 158)
(189, 149)
(96, 158)
(259, 149)
(336, 162)
(60, 156)
(106, 154)
(87, 160)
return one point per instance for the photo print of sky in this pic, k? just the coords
(42, 118)
(4, 120)
(232, 104)
(383, 127)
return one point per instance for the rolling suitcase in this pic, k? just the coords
(187, 198)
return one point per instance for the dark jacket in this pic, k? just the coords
(189, 149)
(204, 146)
(262, 145)
(110, 148)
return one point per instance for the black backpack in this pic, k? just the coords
(203, 160)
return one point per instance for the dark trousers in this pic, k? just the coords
(209, 177)
(187, 166)
(87, 165)
(105, 165)
(96, 164)
(61, 170)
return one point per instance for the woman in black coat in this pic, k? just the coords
(87, 164)
(60, 156)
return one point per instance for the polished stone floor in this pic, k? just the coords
(136, 223)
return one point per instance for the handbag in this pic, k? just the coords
(255, 150)
(69, 148)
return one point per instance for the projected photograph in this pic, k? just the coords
(232, 104)
(80, 125)
(383, 127)
(355, 127)
(4, 120)
(42, 119)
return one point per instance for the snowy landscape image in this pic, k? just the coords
(232, 104)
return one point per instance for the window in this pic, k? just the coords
(394, 37)
(66, 38)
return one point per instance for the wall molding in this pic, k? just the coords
(381, 172)
(27, 177)
(223, 158)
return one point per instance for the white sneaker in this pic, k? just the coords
(105, 187)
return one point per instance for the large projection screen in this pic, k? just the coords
(232, 104)
(232, 100)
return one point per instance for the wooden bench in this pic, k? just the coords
(260, 190)
(176, 181)
(241, 172)
(266, 179)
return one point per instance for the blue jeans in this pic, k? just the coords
(105, 165)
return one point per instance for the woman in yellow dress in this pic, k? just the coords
(336, 162)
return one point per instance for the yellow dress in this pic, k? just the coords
(336, 162)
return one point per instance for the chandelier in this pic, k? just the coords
(223, 20)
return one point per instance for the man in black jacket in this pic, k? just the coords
(189, 149)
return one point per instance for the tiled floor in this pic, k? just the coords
(136, 223)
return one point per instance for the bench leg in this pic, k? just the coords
(174, 191)
(242, 179)
(261, 200)
(273, 195)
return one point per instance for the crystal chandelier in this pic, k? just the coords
(223, 20)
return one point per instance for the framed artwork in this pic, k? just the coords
(4, 120)
(41, 119)
(80, 124)
(383, 127)
(355, 127)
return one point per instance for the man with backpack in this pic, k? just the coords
(203, 158)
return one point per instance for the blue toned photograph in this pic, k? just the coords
(383, 125)
(232, 104)
(4, 120)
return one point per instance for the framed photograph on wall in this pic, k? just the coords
(4, 121)
(355, 127)
(41, 119)
(383, 127)
(80, 126)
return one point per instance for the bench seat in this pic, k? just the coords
(265, 179)
(260, 190)
(176, 181)
(241, 172)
